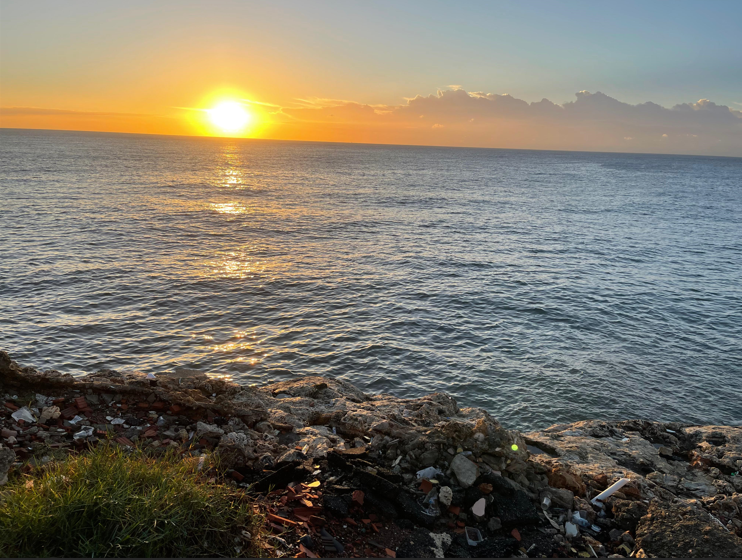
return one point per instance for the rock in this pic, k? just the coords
(429, 458)
(494, 524)
(445, 495)
(208, 430)
(680, 530)
(49, 413)
(7, 458)
(627, 513)
(561, 497)
(478, 508)
(337, 505)
(562, 478)
(292, 456)
(466, 472)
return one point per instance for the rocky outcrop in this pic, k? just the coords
(435, 469)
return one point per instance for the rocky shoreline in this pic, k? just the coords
(338, 472)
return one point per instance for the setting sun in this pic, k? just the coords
(229, 116)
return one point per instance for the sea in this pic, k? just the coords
(544, 286)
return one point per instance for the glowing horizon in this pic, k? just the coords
(336, 72)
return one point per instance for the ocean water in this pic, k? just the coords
(544, 286)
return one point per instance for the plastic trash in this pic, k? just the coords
(23, 414)
(118, 421)
(571, 530)
(608, 492)
(546, 503)
(76, 419)
(577, 519)
(473, 536)
(85, 432)
(430, 472)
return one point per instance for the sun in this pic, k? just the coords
(229, 116)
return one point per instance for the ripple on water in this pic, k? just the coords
(546, 287)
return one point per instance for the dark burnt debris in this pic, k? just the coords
(339, 473)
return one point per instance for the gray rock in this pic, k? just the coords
(466, 472)
(494, 524)
(429, 458)
(208, 430)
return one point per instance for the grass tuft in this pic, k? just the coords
(112, 503)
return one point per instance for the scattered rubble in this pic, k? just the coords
(339, 473)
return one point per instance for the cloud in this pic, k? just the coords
(592, 121)
(41, 112)
(589, 122)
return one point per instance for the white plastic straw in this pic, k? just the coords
(608, 492)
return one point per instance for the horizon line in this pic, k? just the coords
(367, 143)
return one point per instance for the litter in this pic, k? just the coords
(571, 530)
(430, 472)
(577, 519)
(76, 419)
(23, 414)
(605, 494)
(546, 503)
(118, 421)
(85, 432)
(473, 536)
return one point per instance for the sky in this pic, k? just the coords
(415, 72)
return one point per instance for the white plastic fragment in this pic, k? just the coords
(571, 530)
(85, 432)
(473, 536)
(76, 419)
(118, 421)
(430, 472)
(608, 492)
(23, 414)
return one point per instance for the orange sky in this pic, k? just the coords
(344, 73)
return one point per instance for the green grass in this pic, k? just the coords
(111, 503)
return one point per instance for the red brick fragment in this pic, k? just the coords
(358, 496)
(176, 409)
(307, 552)
(239, 477)
(124, 441)
(350, 521)
(143, 405)
(282, 520)
(390, 553)
(426, 486)
(69, 413)
(158, 405)
(454, 509)
(516, 534)
(11, 406)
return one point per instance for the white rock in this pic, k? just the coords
(49, 413)
(466, 471)
(445, 495)
(478, 508)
